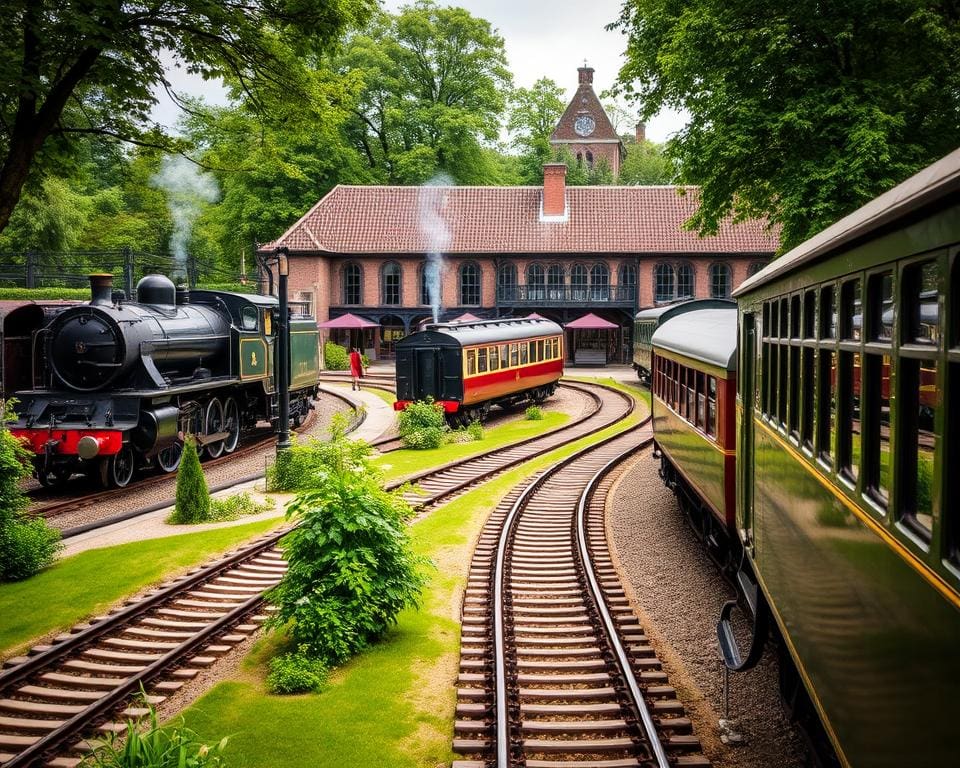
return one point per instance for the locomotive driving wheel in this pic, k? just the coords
(117, 471)
(214, 423)
(169, 458)
(231, 424)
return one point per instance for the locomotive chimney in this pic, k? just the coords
(101, 290)
(183, 294)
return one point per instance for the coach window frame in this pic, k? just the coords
(808, 371)
(793, 372)
(824, 428)
(950, 445)
(875, 348)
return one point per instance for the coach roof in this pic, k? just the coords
(707, 335)
(667, 311)
(483, 332)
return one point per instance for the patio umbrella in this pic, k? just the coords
(349, 321)
(590, 322)
(466, 317)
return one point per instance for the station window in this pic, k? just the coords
(482, 360)
(471, 362)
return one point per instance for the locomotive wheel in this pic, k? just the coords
(169, 458)
(231, 424)
(117, 470)
(214, 423)
(55, 479)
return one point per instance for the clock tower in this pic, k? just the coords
(586, 131)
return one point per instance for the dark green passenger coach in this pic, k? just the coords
(848, 490)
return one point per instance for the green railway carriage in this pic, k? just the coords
(647, 321)
(693, 386)
(848, 506)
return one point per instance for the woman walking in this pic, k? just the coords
(356, 367)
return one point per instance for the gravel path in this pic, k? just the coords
(678, 593)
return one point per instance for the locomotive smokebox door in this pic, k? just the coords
(428, 374)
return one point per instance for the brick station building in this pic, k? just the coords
(556, 250)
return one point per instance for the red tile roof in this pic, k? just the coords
(634, 220)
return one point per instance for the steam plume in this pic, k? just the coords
(188, 189)
(433, 199)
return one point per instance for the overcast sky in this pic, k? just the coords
(543, 39)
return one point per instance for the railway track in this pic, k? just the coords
(82, 682)
(555, 670)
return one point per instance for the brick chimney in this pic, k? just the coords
(586, 75)
(641, 132)
(554, 190)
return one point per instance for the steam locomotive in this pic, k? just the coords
(117, 385)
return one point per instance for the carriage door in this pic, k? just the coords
(747, 397)
(428, 374)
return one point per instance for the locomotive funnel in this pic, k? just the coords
(101, 289)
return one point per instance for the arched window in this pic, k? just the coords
(579, 160)
(600, 283)
(684, 281)
(470, 285)
(627, 282)
(578, 283)
(352, 284)
(507, 282)
(390, 280)
(719, 281)
(555, 282)
(589, 160)
(535, 283)
(755, 267)
(663, 283)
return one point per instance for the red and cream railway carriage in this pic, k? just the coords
(468, 367)
(694, 419)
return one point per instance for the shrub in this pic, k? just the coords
(237, 506)
(193, 498)
(365, 360)
(26, 546)
(296, 672)
(422, 425)
(534, 413)
(35, 294)
(172, 746)
(351, 564)
(335, 357)
(301, 467)
(475, 430)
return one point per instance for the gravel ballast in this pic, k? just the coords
(678, 593)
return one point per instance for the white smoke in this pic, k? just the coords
(188, 190)
(433, 224)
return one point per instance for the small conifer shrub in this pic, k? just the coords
(193, 498)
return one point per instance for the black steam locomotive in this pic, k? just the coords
(118, 385)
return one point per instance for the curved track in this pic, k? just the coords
(555, 669)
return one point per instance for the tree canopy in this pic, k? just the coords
(534, 113)
(92, 67)
(799, 112)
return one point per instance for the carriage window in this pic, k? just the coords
(782, 390)
(701, 401)
(688, 394)
(810, 315)
(784, 319)
(919, 441)
(826, 397)
(795, 390)
(524, 353)
(556, 348)
(711, 406)
(504, 355)
(514, 355)
(248, 318)
(772, 382)
(494, 358)
(851, 319)
(541, 354)
(806, 417)
(471, 362)
(849, 388)
(882, 311)
(828, 312)
(795, 317)
(923, 305)
(876, 463)
(482, 360)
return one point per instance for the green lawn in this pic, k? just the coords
(393, 705)
(86, 584)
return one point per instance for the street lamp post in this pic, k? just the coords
(283, 351)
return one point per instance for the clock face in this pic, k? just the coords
(584, 125)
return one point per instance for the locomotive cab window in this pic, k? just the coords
(248, 318)
(267, 323)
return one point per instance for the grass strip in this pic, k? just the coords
(86, 584)
(393, 705)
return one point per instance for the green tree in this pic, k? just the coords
(193, 497)
(72, 68)
(534, 113)
(434, 80)
(799, 112)
(646, 164)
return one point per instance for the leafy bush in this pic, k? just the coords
(301, 467)
(475, 430)
(238, 505)
(173, 746)
(80, 294)
(26, 546)
(193, 498)
(335, 357)
(422, 425)
(351, 564)
(365, 360)
(296, 672)
(534, 413)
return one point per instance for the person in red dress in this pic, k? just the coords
(356, 367)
